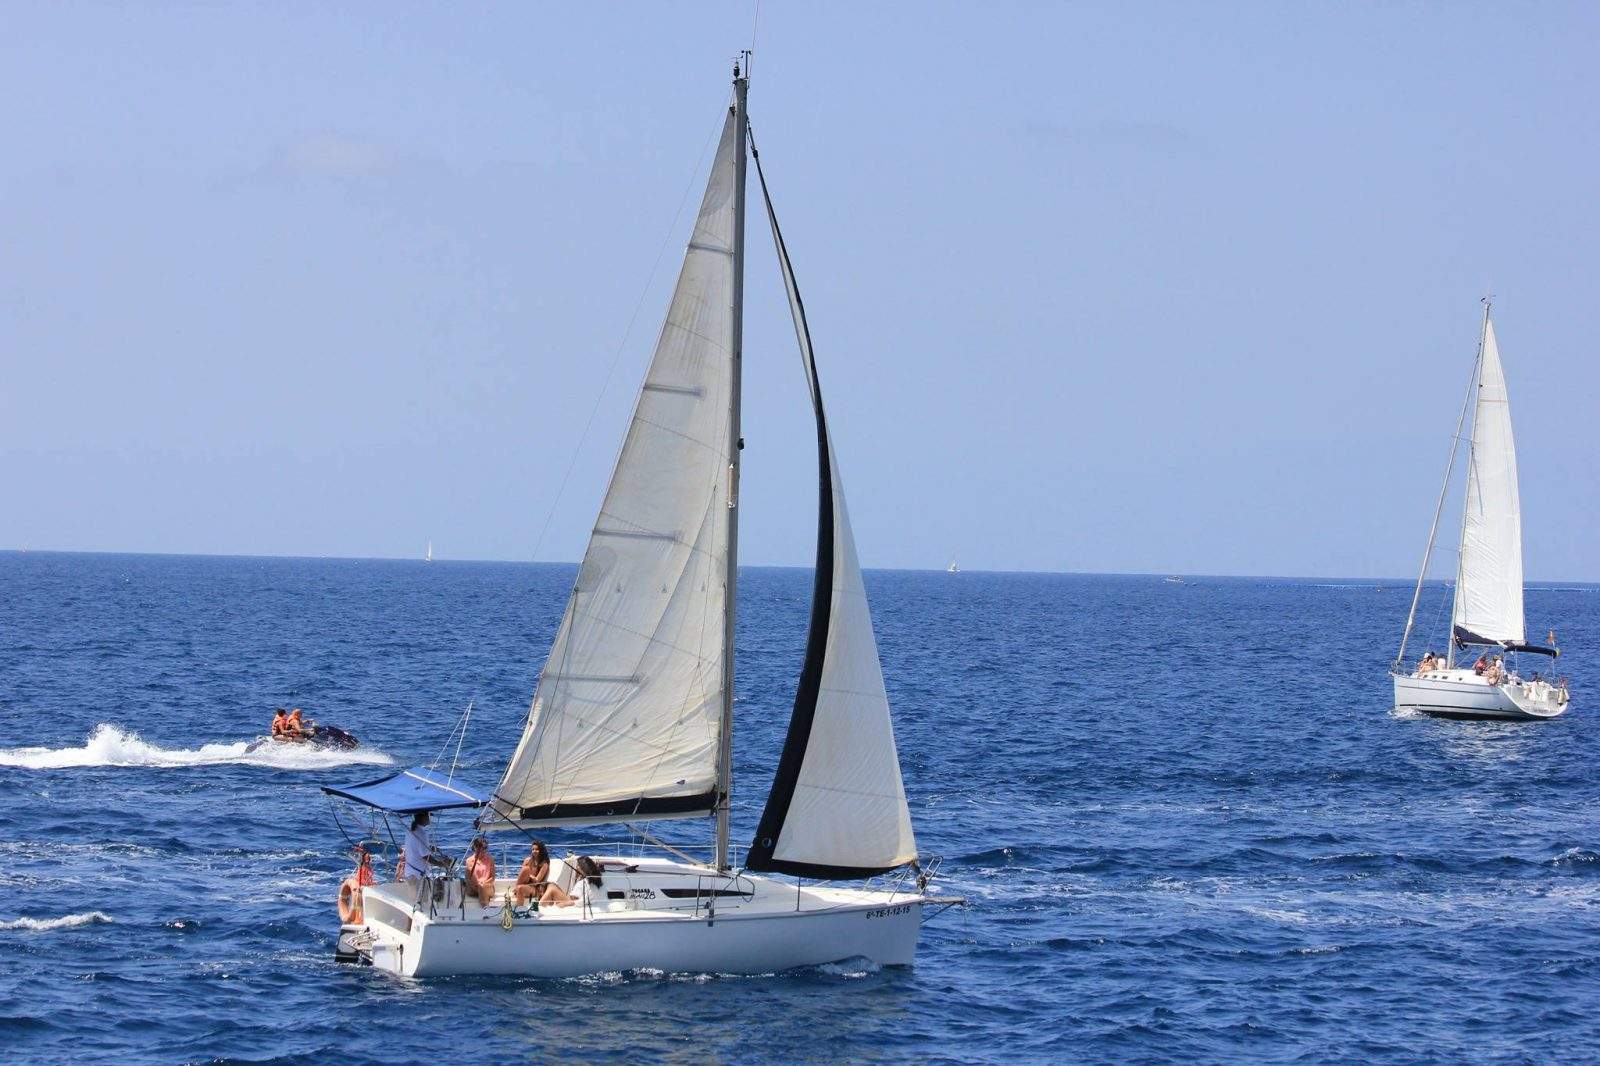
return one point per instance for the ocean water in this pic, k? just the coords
(1189, 823)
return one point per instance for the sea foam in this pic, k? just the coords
(111, 745)
(44, 925)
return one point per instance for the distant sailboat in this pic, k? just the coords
(429, 557)
(633, 716)
(1488, 585)
(953, 568)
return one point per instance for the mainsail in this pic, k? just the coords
(837, 808)
(626, 721)
(1488, 601)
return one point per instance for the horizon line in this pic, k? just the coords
(764, 566)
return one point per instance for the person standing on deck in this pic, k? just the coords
(417, 855)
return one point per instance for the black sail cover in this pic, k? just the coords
(837, 808)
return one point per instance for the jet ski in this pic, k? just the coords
(320, 738)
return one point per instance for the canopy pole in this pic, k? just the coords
(1466, 495)
(741, 86)
(1433, 530)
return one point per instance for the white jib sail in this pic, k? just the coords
(838, 803)
(848, 811)
(1489, 593)
(625, 720)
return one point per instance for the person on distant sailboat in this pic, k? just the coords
(1482, 664)
(1429, 662)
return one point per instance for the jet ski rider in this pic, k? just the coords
(297, 729)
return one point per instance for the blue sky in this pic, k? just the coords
(1167, 287)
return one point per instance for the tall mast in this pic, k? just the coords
(1466, 496)
(741, 86)
(1433, 530)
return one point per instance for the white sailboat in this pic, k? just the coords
(632, 718)
(953, 568)
(1487, 611)
(428, 558)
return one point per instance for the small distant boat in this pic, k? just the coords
(1487, 610)
(428, 558)
(953, 568)
(1176, 580)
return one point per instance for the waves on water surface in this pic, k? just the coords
(111, 745)
(1186, 837)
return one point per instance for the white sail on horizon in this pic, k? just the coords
(1488, 598)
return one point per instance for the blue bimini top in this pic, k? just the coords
(408, 792)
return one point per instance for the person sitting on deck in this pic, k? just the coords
(280, 720)
(1429, 662)
(480, 871)
(586, 887)
(534, 877)
(417, 855)
(1482, 664)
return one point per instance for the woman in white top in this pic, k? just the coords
(587, 886)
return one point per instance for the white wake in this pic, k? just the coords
(111, 745)
(44, 925)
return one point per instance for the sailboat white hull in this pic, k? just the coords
(1464, 694)
(766, 927)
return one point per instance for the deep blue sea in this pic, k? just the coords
(1190, 825)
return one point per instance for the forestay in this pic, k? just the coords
(626, 718)
(1488, 601)
(838, 806)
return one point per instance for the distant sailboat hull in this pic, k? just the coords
(1463, 694)
(757, 926)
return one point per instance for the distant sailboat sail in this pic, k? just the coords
(626, 721)
(1488, 601)
(837, 808)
